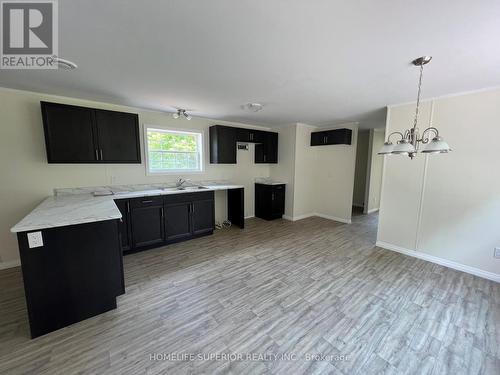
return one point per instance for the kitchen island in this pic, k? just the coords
(71, 245)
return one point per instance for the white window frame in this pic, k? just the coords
(198, 133)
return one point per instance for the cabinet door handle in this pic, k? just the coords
(146, 201)
(128, 207)
(192, 205)
(96, 154)
(272, 196)
(100, 151)
(162, 212)
(264, 157)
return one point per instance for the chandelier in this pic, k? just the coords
(410, 139)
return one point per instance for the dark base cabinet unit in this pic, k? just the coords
(76, 274)
(269, 201)
(159, 220)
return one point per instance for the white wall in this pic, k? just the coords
(375, 168)
(361, 169)
(27, 178)
(446, 207)
(320, 179)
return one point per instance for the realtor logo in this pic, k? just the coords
(29, 34)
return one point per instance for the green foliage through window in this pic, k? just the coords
(173, 150)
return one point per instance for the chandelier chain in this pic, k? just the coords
(418, 95)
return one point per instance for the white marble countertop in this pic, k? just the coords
(267, 181)
(71, 209)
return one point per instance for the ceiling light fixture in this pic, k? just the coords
(65, 64)
(254, 107)
(182, 114)
(411, 138)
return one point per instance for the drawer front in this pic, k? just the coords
(156, 200)
(202, 195)
(188, 197)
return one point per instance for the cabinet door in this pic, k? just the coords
(278, 200)
(203, 216)
(338, 136)
(177, 220)
(267, 152)
(124, 226)
(69, 133)
(147, 225)
(222, 144)
(118, 136)
(318, 138)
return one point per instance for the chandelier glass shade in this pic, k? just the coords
(410, 140)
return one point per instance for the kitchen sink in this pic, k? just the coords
(185, 188)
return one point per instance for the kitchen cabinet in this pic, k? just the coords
(147, 224)
(69, 134)
(124, 226)
(118, 137)
(331, 137)
(269, 201)
(158, 220)
(267, 152)
(223, 141)
(222, 144)
(77, 273)
(203, 212)
(86, 135)
(250, 135)
(178, 220)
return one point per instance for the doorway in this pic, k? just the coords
(368, 172)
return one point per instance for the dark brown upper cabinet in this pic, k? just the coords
(86, 135)
(222, 144)
(267, 151)
(331, 137)
(223, 141)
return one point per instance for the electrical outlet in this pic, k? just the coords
(35, 239)
(496, 254)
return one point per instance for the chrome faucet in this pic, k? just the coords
(179, 183)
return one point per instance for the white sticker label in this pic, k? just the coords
(35, 239)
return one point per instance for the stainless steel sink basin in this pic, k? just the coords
(185, 188)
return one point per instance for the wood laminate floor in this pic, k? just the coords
(311, 287)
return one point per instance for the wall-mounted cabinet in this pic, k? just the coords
(86, 135)
(331, 137)
(223, 141)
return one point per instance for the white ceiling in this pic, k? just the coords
(311, 61)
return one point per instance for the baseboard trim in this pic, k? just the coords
(441, 261)
(249, 217)
(11, 264)
(372, 210)
(334, 218)
(305, 216)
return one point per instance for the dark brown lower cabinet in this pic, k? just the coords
(76, 274)
(159, 220)
(178, 220)
(269, 201)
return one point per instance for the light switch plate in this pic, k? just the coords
(497, 252)
(35, 239)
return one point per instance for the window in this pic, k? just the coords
(173, 151)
